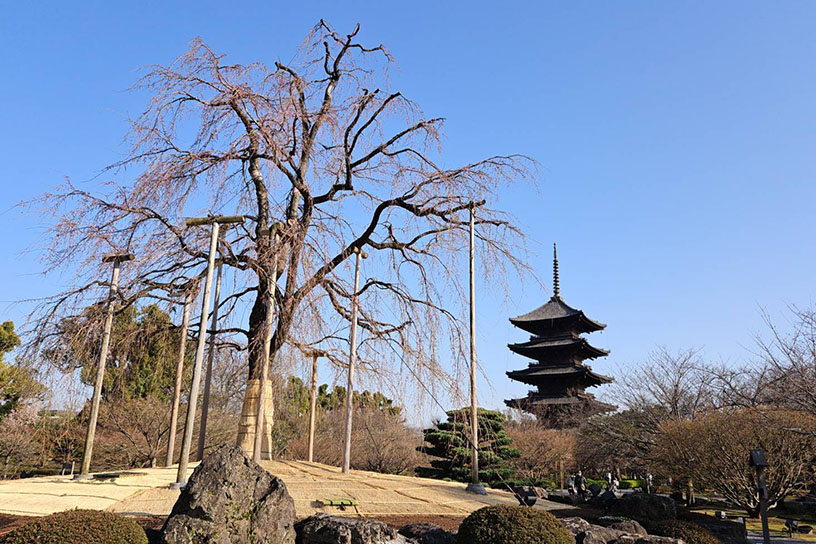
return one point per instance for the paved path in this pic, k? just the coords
(146, 492)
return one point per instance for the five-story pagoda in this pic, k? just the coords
(557, 370)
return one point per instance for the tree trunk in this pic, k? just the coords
(249, 411)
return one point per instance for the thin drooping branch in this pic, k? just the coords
(321, 148)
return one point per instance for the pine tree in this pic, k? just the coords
(449, 443)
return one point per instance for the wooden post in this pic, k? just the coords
(185, 324)
(205, 401)
(561, 472)
(260, 417)
(360, 254)
(474, 486)
(312, 405)
(181, 475)
(87, 454)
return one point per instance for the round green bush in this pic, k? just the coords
(689, 533)
(78, 527)
(512, 525)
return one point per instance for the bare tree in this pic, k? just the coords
(666, 387)
(321, 146)
(787, 375)
(712, 450)
(782, 374)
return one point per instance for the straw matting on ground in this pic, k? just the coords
(145, 492)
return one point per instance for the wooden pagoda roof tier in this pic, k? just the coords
(569, 347)
(533, 400)
(556, 314)
(537, 374)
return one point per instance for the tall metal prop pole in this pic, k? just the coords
(474, 486)
(181, 476)
(185, 325)
(117, 259)
(205, 401)
(313, 402)
(260, 416)
(352, 360)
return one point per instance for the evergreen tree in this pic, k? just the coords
(17, 382)
(449, 443)
(142, 360)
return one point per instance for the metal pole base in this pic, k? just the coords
(477, 489)
(78, 477)
(178, 485)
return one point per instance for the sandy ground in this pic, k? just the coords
(145, 493)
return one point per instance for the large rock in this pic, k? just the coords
(326, 529)
(587, 533)
(644, 506)
(230, 499)
(427, 533)
(576, 526)
(629, 526)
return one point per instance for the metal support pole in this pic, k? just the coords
(185, 324)
(474, 486)
(260, 416)
(312, 406)
(205, 401)
(87, 454)
(181, 476)
(763, 504)
(360, 254)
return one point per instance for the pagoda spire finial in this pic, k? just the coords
(556, 284)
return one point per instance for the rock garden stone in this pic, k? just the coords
(230, 499)
(629, 526)
(427, 533)
(326, 529)
(644, 506)
(623, 532)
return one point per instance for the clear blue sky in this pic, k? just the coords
(677, 141)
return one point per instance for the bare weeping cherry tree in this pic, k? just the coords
(320, 146)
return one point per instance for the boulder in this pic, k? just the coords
(566, 498)
(645, 507)
(629, 526)
(540, 492)
(575, 526)
(526, 494)
(607, 498)
(326, 529)
(596, 534)
(595, 489)
(648, 539)
(230, 499)
(623, 532)
(427, 533)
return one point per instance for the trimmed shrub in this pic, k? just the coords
(78, 527)
(512, 525)
(632, 484)
(689, 533)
